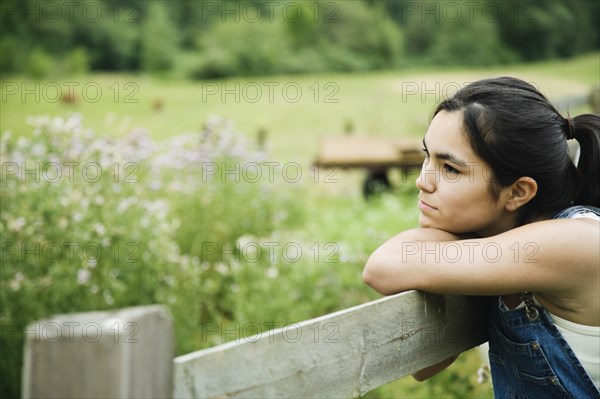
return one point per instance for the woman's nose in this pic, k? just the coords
(426, 179)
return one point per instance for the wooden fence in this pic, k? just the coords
(129, 353)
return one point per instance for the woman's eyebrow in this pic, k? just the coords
(446, 156)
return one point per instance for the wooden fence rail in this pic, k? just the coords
(343, 354)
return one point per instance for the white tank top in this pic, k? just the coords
(585, 342)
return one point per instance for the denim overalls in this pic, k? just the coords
(529, 358)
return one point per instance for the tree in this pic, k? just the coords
(159, 41)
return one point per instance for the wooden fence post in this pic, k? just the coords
(125, 353)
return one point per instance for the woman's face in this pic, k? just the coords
(455, 183)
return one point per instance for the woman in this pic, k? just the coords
(505, 212)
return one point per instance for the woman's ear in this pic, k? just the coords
(521, 192)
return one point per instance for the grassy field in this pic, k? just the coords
(295, 111)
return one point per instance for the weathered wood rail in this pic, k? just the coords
(343, 354)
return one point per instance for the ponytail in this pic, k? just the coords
(586, 130)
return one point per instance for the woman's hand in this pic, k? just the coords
(430, 371)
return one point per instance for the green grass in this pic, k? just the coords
(373, 103)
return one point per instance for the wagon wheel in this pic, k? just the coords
(376, 182)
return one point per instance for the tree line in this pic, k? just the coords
(218, 38)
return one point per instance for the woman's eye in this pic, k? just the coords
(451, 169)
(425, 152)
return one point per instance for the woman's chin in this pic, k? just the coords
(425, 222)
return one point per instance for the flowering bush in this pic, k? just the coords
(90, 222)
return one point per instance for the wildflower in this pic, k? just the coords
(221, 268)
(124, 204)
(245, 240)
(272, 272)
(38, 150)
(15, 283)
(108, 297)
(169, 280)
(63, 223)
(83, 276)
(483, 374)
(99, 229)
(17, 224)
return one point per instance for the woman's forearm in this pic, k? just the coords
(389, 269)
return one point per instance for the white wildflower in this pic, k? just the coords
(83, 276)
(108, 297)
(99, 229)
(15, 283)
(221, 268)
(63, 223)
(272, 272)
(38, 150)
(483, 374)
(17, 224)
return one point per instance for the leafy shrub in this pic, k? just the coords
(40, 65)
(77, 62)
(158, 40)
(89, 223)
(243, 48)
(12, 56)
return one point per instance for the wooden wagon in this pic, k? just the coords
(374, 154)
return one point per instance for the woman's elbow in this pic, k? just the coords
(374, 277)
(368, 276)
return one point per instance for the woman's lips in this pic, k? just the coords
(424, 206)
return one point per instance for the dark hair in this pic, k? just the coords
(517, 132)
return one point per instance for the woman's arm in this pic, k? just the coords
(556, 256)
(553, 256)
(384, 271)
